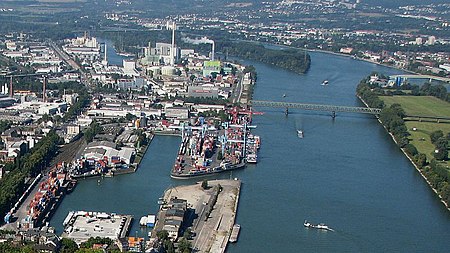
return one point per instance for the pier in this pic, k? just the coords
(214, 210)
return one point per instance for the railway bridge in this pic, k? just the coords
(316, 107)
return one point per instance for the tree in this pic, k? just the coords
(184, 246)
(410, 149)
(434, 136)
(94, 129)
(4, 125)
(68, 246)
(130, 117)
(162, 235)
(441, 152)
(83, 250)
(421, 160)
(205, 184)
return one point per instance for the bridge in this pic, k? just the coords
(428, 77)
(316, 107)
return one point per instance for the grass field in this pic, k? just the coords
(424, 106)
(420, 105)
(421, 137)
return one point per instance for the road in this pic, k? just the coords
(237, 91)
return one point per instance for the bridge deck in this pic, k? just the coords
(316, 107)
(411, 76)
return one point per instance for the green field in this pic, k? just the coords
(424, 106)
(420, 105)
(421, 137)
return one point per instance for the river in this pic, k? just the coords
(346, 172)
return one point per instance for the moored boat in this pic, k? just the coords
(235, 233)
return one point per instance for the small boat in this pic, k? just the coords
(325, 82)
(284, 95)
(300, 134)
(318, 226)
(324, 227)
(307, 224)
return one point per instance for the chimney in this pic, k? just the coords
(212, 51)
(172, 50)
(44, 95)
(11, 92)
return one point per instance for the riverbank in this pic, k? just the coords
(361, 59)
(409, 158)
(346, 55)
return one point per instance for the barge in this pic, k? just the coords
(235, 233)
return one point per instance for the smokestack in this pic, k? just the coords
(172, 50)
(212, 51)
(11, 92)
(44, 96)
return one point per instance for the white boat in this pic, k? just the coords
(307, 224)
(252, 158)
(300, 133)
(318, 226)
(325, 82)
(323, 226)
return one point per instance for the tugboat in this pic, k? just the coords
(300, 134)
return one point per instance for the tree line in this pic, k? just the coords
(392, 119)
(12, 185)
(291, 59)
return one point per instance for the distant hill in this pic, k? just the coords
(397, 3)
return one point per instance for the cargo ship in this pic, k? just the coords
(205, 150)
(253, 144)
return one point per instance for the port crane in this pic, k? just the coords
(186, 129)
(224, 138)
(235, 112)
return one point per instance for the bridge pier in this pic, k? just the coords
(333, 114)
(286, 112)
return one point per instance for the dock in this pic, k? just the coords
(212, 212)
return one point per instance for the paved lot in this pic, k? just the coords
(84, 227)
(212, 232)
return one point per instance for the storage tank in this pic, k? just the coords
(168, 71)
(156, 70)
